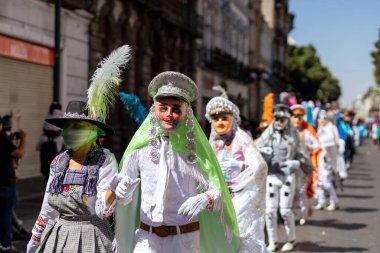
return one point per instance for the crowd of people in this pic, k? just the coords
(176, 189)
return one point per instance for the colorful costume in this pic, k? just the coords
(306, 184)
(74, 205)
(74, 213)
(179, 173)
(245, 172)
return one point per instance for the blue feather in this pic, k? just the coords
(132, 103)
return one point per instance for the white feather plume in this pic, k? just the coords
(219, 88)
(105, 81)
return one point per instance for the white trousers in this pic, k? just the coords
(151, 243)
(302, 184)
(280, 194)
(328, 164)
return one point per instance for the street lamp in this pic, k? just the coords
(258, 74)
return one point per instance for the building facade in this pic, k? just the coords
(162, 35)
(224, 52)
(26, 66)
(237, 44)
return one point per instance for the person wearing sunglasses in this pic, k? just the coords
(285, 154)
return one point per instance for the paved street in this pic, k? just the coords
(355, 227)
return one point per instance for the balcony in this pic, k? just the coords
(182, 15)
(223, 63)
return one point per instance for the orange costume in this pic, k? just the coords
(314, 152)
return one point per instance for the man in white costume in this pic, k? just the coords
(329, 139)
(243, 167)
(182, 204)
(285, 154)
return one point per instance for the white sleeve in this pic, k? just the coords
(47, 211)
(258, 170)
(312, 144)
(336, 135)
(131, 169)
(106, 172)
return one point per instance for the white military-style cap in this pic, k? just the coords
(173, 84)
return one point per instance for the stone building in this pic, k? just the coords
(243, 49)
(162, 34)
(237, 44)
(274, 52)
(224, 52)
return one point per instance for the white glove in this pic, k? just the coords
(114, 182)
(126, 186)
(243, 180)
(193, 206)
(231, 167)
(291, 166)
(267, 151)
(32, 246)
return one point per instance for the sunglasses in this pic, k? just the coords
(298, 116)
(280, 119)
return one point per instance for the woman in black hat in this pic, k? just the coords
(80, 191)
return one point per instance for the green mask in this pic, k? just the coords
(77, 138)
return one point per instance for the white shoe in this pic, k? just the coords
(302, 221)
(331, 207)
(319, 206)
(288, 246)
(272, 246)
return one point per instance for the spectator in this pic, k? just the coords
(8, 195)
(50, 143)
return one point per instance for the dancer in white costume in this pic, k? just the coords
(329, 138)
(243, 167)
(285, 154)
(182, 204)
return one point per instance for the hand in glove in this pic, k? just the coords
(242, 181)
(32, 246)
(193, 206)
(266, 151)
(291, 166)
(231, 167)
(125, 187)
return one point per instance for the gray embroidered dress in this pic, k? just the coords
(73, 217)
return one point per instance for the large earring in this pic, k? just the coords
(190, 135)
(153, 143)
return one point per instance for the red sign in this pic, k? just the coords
(26, 51)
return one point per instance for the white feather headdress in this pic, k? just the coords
(105, 81)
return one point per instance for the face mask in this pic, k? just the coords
(278, 126)
(77, 138)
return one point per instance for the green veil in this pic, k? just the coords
(219, 229)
